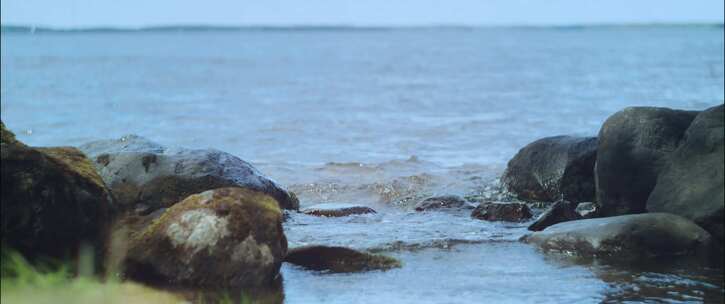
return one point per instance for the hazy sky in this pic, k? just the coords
(134, 13)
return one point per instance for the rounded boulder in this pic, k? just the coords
(226, 237)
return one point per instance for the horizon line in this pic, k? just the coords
(21, 28)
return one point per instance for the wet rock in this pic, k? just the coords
(626, 237)
(53, 201)
(553, 168)
(587, 209)
(561, 211)
(510, 212)
(226, 237)
(337, 210)
(339, 259)
(633, 146)
(143, 173)
(691, 185)
(441, 202)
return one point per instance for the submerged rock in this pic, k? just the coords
(625, 237)
(587, 209)
(226, 237)
(441, 202)
(143, 173)
(339, 259)
(52, 199)
(511, 212)
(337, 210)
(553, 168)
(691, 185)
(633, 146)
(561, 211)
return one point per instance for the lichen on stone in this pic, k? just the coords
(197, 230)
(222, 237)
(250, 251)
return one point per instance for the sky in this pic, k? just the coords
(139, 13)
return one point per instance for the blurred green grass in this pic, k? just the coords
(53, 283)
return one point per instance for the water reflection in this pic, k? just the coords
(272, 294)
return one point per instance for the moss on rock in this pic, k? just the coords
(339, 259)
(74, 160)
(223, 237)
(52, 201)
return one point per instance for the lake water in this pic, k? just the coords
(382, 118)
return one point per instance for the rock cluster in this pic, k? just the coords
(658, 183)
(161, 215)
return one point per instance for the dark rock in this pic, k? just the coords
(141, 172)
(553, 168)
(53, 201)
(511, 212)
(561, 211)
(633, 146)
(226, 237)
(338, 259)
(626, 238)
(691, 185)
(587, 209)
(337, 210)
(441, 202)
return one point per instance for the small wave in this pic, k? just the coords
(396, 231)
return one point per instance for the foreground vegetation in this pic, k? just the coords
(53, 283)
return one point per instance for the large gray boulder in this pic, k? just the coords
(691, 185)
(146, 176)
(553, 168)
(633, 147)
(227, 237)
(53, 201)
(626, 237)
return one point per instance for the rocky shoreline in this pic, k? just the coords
(650, 185)
(647, 160)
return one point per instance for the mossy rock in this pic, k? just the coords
(339, 259)
(227, 237)
(53, 201)
(8, 137)
(145, 176)
(337, 210)
(74, 159)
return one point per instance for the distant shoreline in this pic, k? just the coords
(29, 29)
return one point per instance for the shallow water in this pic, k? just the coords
(381, 118)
